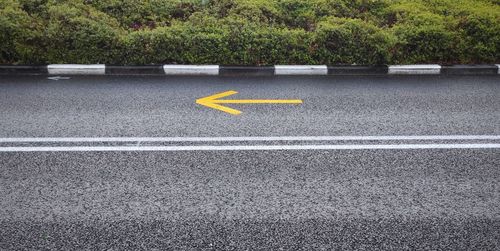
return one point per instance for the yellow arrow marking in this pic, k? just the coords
(214, 101)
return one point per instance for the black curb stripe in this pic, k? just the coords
(358, 70)
(469, 70)
(246, 70)
(24, 69)
(134, 70)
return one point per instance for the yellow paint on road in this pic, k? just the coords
(213, 101)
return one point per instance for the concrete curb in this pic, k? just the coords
(191, 69)
(282, 70)
(431, 69)
(135, 70)
(358, 70)
(76, 69)
(470, 69)
(23, 69)
(300, 70)
(246, 70)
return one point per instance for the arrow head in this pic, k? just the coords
(211, 102)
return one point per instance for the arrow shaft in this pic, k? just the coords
(258, 101)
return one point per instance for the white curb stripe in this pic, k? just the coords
(245, 148)
(241, 139)
(191, 69)
(76, 69)
(300, 70)
(415, 69)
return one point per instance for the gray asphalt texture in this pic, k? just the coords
(247, 200)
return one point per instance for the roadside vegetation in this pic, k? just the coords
(249, 32)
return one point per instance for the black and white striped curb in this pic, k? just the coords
(204, 70)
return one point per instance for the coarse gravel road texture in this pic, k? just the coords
(432, 199)
(164, 106)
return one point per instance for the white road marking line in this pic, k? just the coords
(228, 139)
(244, 148)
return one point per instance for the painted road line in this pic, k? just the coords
(301, 70)
(244, 148)
(415, 69)
(191, 69)
(76, 69)
(214, 102)
(241, 139)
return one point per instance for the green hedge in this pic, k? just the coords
(353, 41)
(249, 32)
(18, 34)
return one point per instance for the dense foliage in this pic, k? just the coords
(249, 32)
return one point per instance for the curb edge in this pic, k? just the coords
(230, 70)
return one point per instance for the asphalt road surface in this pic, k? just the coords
(362, 163)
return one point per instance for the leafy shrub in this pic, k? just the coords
(252, 43)
(482, 39)
(458, 31)
(341, 40)
(226, 42)
(18, 34)
(249, 32)
(479, 30)
(179, 43)
(424, 39)
(299, 14)
(138, 14)
(73, 36)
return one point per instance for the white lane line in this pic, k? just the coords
(244, 148)
(227, 139)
